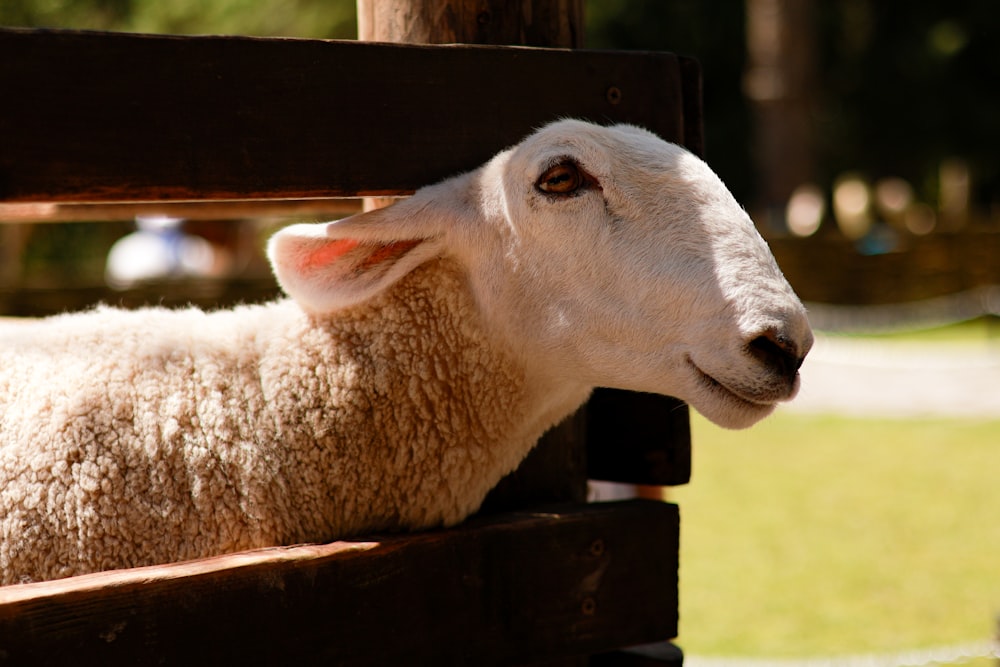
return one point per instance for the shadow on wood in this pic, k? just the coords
(500, 590)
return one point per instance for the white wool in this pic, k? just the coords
(424, 350)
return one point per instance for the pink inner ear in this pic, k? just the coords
(390, 251)
(327, 253)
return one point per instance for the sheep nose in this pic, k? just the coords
(778, 352)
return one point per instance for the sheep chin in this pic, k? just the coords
(724, 407)
(732, 415)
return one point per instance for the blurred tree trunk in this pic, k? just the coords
(779, 83)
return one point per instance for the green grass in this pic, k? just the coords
(818, 536)
(980, 331)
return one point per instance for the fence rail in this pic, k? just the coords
(922, 314)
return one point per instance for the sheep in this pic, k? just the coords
(420, 353)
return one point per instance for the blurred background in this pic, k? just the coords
(861, 135)
(857, 526)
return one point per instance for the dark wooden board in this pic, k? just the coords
(638, 438)
(500, 590)
(120, 117)
(661, 654)
(232, 209)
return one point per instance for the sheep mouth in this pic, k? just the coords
(725, 392)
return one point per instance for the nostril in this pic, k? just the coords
(776, 352)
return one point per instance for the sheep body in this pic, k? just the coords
(423, 351)
(204, 433)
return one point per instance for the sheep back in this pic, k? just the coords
(134, 438)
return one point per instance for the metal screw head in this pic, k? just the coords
(614, 95)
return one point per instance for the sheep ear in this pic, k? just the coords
(330, 266)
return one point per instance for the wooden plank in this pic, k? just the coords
(691, 83)
(660, 654)
(557, 23)
(638, 438)
(556, 470)
(505, 590)
(121, 117)
(202, 210)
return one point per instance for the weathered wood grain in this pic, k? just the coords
(555, 23)
(121, 117)
(504, 590)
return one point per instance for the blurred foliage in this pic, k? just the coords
(905, 85)
(70, 252)
(898, 86)
(329, 19)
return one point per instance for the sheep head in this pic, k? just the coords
(604, 255)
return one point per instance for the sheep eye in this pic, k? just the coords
(563, 179)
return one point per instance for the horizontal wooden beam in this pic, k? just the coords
(240, 209)
(499, 590)
(100, 117)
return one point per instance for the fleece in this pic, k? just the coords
(152, 436)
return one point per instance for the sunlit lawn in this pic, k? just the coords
(818, 536)
(982, 331)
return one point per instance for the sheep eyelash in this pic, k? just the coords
(579, 179)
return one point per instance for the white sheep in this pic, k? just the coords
(424, 350)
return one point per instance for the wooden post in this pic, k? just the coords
(556, 469)
(546, 23)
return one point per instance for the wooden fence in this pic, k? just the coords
(96, 118)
